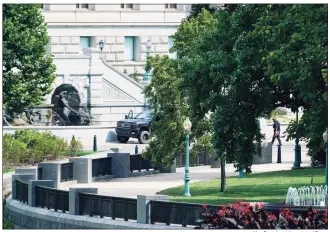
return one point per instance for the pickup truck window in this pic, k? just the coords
(143, 115)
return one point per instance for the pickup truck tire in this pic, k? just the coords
(122, 139)
(144, 137)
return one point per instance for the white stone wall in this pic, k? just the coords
(65, 45)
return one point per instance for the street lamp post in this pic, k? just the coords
(187, 127)
(325, 138)
(147, 69)
(101, 45)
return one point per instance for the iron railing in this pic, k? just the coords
(66, 172)
(106, 206)
(177, 212)
(39, 173)
(22, 191)
(52, 198)
(101, 167)
(201, 159)
(137, 163)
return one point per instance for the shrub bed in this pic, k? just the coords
(245, 216)
(28, 147)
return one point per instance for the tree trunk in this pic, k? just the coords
(223, 173)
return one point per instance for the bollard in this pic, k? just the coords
(241, 173)
(136, 150)
(94, 144)
(279, 154)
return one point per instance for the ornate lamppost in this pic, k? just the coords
(325, 138)
(146, 75)
(187, 126)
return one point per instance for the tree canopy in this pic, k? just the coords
(239, 64)
(28, 72)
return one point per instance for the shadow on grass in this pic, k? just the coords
(266, 187)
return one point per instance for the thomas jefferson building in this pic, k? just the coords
(124, 28)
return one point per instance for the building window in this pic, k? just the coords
(85, 42)
(82, 6)
(130, 48)
(170, 45)
(171, 6)
(126, 6)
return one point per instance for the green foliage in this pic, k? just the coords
(75, 146)
(135, 76)
(30, 147)
(7, 224)
(28, 71)
(197, 8)
(279, 111)
(165, 100)
(14, 151)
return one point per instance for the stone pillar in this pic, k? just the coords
(74, 198)
(82, 169)
(120, 165)
(32, 189)
(21, 177)
(215, 161)
(143, 209)
(26, 171)
(51, 171)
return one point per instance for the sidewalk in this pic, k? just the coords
(150, 185)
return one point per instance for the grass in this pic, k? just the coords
(261, 187)
(6, 170)
(83, 153)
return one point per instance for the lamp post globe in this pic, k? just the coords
(101, 45)
(187, 126)
(148, 44)
(325, 138)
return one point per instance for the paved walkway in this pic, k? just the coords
(150, 185)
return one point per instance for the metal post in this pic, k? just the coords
(297, 154)
(279, 157)
(326, 163)
(136, 150)
(186, 177)
(94, 144)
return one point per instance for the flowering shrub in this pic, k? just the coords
(242, 215)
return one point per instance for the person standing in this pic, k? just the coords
(277, 130)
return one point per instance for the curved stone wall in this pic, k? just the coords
(26, 217)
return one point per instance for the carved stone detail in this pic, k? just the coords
(112, 93)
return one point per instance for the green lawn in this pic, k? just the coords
(260, 187)
(83, 153)
(5, 170)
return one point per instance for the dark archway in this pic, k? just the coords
(73, 100)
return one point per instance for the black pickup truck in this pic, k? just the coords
(135, 127)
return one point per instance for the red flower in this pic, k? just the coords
(295, 222)
(246, 222)
(222, 207)
(239, 201)
(272, 217)
(314, 211)
(214, 220)
(326, 220)
(256, 205)
(289, 217)
(220, 213)
(204, 206)
(246, 204)
(261, 205)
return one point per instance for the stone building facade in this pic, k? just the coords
(125, 29)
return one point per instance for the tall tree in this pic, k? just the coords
(28, 72)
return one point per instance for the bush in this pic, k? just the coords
(75, 146)
(28, 146)
(14, 151)
(244, 216)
